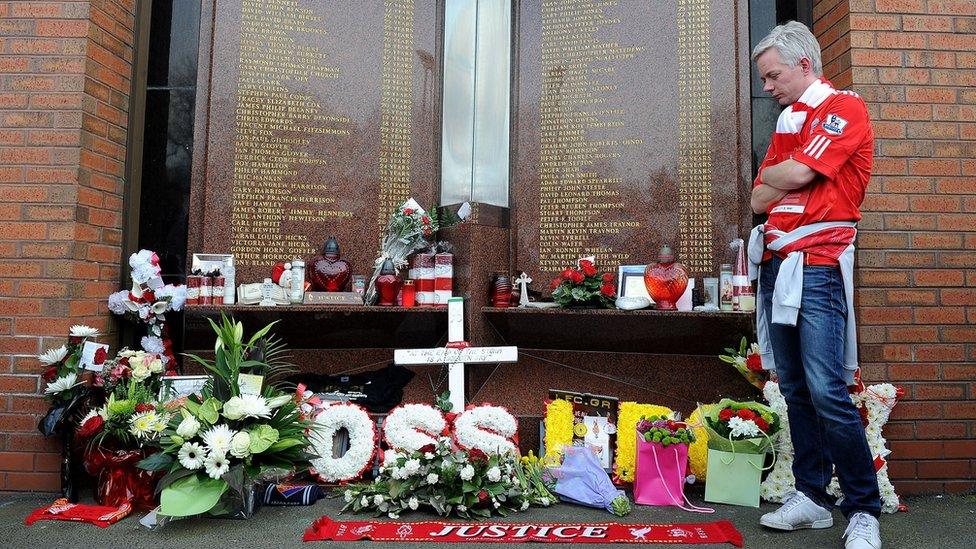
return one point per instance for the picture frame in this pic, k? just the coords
(630, 281)
(174, 387)
(208, 263)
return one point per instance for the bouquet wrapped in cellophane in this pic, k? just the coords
(411, 228)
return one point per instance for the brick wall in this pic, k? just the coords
(914, 62)
(65, 72)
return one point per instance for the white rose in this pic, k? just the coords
(240, 445)
(432, 478)
(156, 366)
(140, 373)
(467, 473)
(494, 474)
(234, 409)
(137, 359)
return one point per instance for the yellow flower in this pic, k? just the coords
(627, 418)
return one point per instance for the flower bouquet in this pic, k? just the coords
(748, 361)
(120, 433)
(243, 429)
(584, 287)
(739, 435)
(411, 228)
(662, 462)
(67, 392)
(148, 302)
(467, 483)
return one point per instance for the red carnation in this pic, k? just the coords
(761, 423)
(568, 273)
(578, 277)
(746, 414)
(588, 268)
(607, 277)
(149, 296)
(144, 407)
(725, 414)
(50, 373)
(482, 495)
(426, 448)
(608, 290)
(754, 362)
(100, 356)
(477, 455)
(426, 220)
(91, 427)
(555, 283)
(407, 211)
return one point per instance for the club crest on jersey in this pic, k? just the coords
(834, 124)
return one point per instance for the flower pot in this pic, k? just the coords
(118, 479)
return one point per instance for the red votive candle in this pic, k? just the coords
(409, 293)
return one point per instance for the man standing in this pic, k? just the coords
(811, 184)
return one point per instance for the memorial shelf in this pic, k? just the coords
(328, 326)
(614, 330)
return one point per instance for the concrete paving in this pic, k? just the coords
(936, 522)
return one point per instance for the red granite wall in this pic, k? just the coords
(914, 62)
(65, 70)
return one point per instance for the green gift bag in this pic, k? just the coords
(733, 477)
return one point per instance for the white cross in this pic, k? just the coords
(455, 356)
(524, 282)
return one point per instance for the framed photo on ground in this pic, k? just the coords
(630, 281)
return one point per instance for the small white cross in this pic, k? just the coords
(524, 282)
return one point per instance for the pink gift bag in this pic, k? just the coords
(659, 476)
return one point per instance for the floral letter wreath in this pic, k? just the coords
(559, 429)
(410, 427)
(488, 428)
(627, 417)
(362, 442)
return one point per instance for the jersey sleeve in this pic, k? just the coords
(844, 128)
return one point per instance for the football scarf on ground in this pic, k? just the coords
(543, 532)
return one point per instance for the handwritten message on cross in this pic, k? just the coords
(456, 354)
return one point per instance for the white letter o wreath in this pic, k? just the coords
(362, 442)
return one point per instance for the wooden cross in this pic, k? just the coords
(524, 282)
(456, 354)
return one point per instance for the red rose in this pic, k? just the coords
(725, 414)
(50, 373)
(746, 414)
(482, 495)
(425, 220)
(761, 423)
(149, 296)
(578, 277)
(407, 211)
(607, 277)
(144, 407)
(754, 362)
(608, 290)
(588, 268)
(100, 356)
(91, 427)
(568, 273)
(555, 283)
(477, 455)
(426, 448)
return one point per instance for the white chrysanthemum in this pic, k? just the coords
(53, 356)
(177, 295)
(745, 428)
(432, 478)
(191, 456)
(412, 467)
(63, 383)
(413, 503)
(143, 269)
(216, 464)
(188, 427)
(247, 406)
(494, 474)
(467, 472)
(152, 345)
(118, 302)
(218, 439)
(143, 425)
(240, 445)
(80, 330)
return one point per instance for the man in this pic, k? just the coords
(811, 184)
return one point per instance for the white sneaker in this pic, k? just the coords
(798, 512)
(863, 532)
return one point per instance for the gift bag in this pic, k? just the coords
(659, 476)
(733, 477)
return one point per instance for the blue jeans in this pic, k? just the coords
(824, 424)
